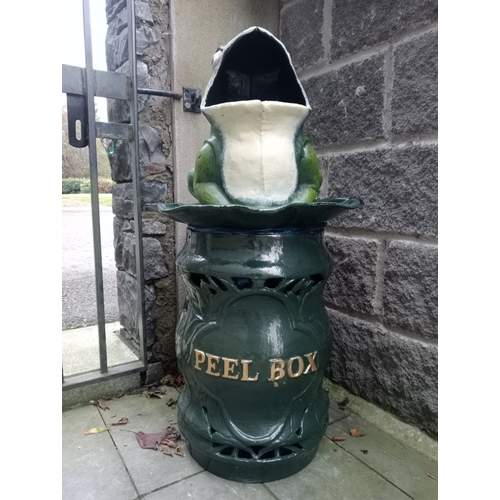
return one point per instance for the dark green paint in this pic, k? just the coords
(259, 298)
(294, 215)
(254, 293)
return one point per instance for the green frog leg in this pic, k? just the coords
(204, 181)
(309, 174)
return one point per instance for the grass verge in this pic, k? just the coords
(79, 198)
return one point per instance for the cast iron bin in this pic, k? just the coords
(253, 336)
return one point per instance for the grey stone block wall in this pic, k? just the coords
(348, 103)
(156, 167)
(369, 69)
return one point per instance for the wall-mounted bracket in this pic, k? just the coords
(192, 100)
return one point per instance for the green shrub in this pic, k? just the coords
(70, 186)
(85, 186)
(104, 185)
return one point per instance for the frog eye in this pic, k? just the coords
(217, 56)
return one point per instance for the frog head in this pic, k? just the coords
(256, 105)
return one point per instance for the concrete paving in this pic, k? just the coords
(112, 465)
(80, 349)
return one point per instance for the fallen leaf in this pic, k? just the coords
(335, 450)
(100, 403)
(172, 381)
(120, 394)
(153, 395)
(149, 441)
(431, 476)
(96, 430)
(364, 451)
(153, 440)
(355, 433)
(168, 442)
(338, 438)
(172, 433)
(171, 402)
(178, 451)
(166, 450)
(122, 421)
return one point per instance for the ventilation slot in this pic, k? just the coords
(242, 283)
(273, 282)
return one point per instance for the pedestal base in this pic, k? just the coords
(257, 471)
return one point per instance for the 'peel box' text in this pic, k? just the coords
(218, 366)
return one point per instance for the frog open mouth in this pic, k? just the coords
(254, 65)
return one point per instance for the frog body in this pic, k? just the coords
(257, 153)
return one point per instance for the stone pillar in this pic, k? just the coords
(156, 172)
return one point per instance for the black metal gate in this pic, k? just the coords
(81, 86)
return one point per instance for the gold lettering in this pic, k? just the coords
(277, 371)
(229, 366)
(312, 366)
(244, 376)
(200, 357)
(211, 365)
(290, 371)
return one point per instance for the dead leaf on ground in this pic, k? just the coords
(122, 421)
(120, 394)
(338, 438)
(431, 476)
(169, 442)
(364, 451)
(166, 450)
(178, 451)
(155, 393)
(100, 403)
(96, 430)
(172, 381)
(153, 440)
(171, 402)
(356, 434)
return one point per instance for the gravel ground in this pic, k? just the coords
(79, 307)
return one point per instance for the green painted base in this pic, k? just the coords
(247, 471)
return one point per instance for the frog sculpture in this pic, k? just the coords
(257, 154)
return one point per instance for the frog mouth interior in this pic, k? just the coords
(255, 67)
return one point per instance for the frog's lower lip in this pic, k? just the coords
(293, 216)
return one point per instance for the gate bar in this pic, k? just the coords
(94, 191)
(136, 185)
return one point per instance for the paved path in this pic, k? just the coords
(79, 307)
(112, 465)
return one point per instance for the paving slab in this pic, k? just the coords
(92, 468)
(398, 463)
(207, 486)
(113, 465)
(80, 349)
(149, 469)
(335, 474)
